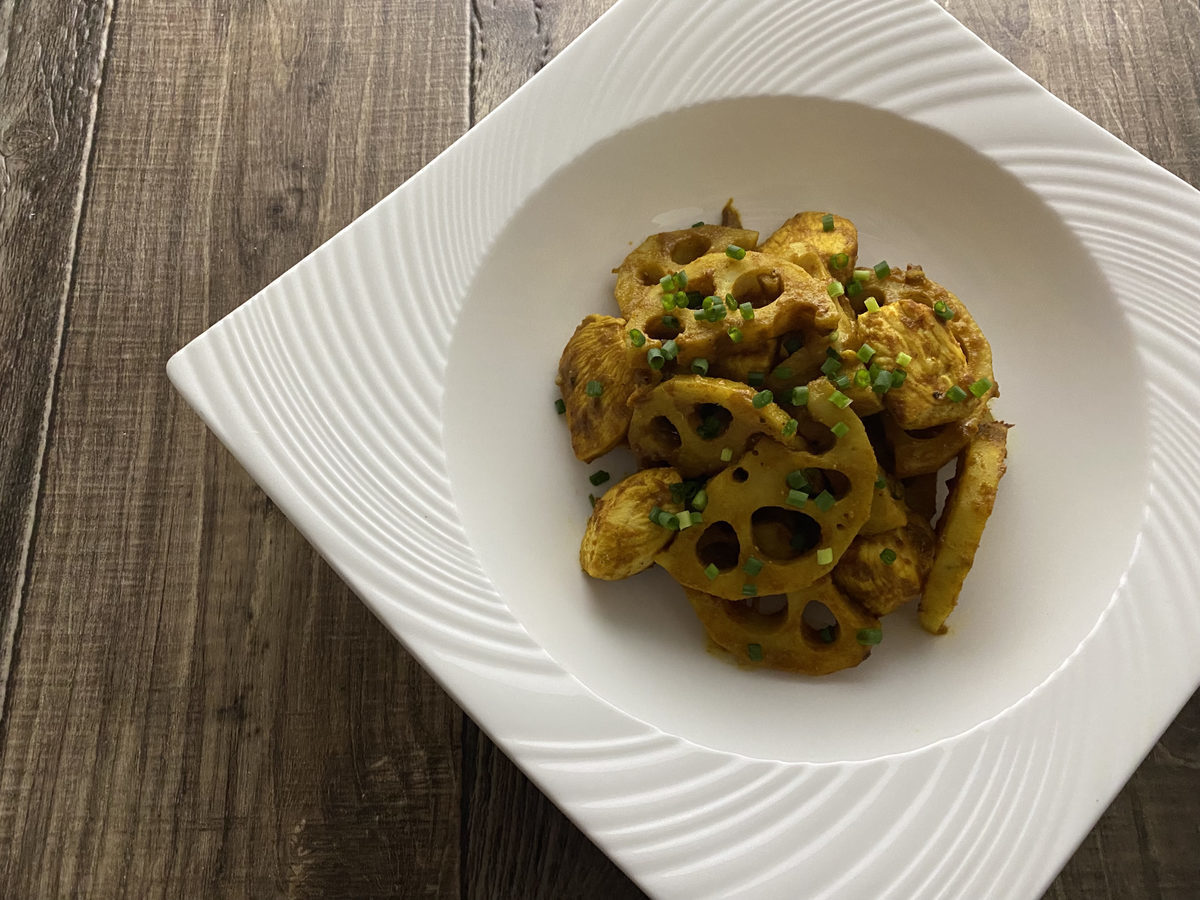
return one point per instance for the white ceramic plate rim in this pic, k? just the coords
(994, 811)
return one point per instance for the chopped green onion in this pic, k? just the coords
(831, 366)
(827, 634)
(668, 284)
(754, 379)
(762, 398)
(749, 590)
(869, 637)
(797, 498)
(700, 366)
(981, 387)
(668, 302)
(839, 260)
(707, 303)
(735, 335)
(833, 353)
(670, 349)
(825, 500)
(840, 429)
(680, 280)
(956, 394)
(880, 483)
(903, 359)
(835, 289)
(824, 556)
(840, 400)
(733, 251)
(681, 491)
(717, 313)
(731, 302)
(783, 373)
(797, 480)
(712, 571)
(883, 382)
(697, 224)
(754, 651)
(655, 512)
(670, 322)
(685, 519)
(700, 501)
(942, 311)
(668, 521)
(655, 358)
(792, 344)
(853, 289)
(865, 352)
(871, 304)
(898, 378)
(697, 518)
(882, 270)
(559, 406)
(753, 566)
(888, 555)
(594, 388)
(789, 427)
(747, 310)
(861, 275)
(862, 378)
(827, 222)
(800, 395)
(637, 338)
(726, 454)
(592, 500)
(598, 477)
(842, 382)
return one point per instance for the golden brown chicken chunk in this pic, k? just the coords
(596, 382)
(886, 570)
(620, 540)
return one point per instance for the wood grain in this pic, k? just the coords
(50, 61)
(196, 706)
(199, 708)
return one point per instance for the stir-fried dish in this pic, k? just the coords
(790, 411)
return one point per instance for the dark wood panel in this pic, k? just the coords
(51, 57)
(200, 709)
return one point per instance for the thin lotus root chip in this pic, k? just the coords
(819, 630)
(778, 518)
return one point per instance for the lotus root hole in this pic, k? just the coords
(783, 534)
(758, 288)
(719, 546)
(828, 480)
(740, 475)
(819, 622)
(712, 420)
(650, 275)
(661, 331)
(664, 435)
(689, 248)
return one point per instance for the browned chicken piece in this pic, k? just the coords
(938, 365)
(959, 530)
(620, 540)
(865, 574)
(754, 512)
(809, 228)
(888, 511)
(920, 495)
(663, 254)
(730, 217)
(788, 639)
(739, 364)
(596, 355)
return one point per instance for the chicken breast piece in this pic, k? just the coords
(596, 355)
(620, 540)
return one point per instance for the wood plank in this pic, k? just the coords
(51, 57)
(200, 709)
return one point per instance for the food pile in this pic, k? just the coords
(790, 412)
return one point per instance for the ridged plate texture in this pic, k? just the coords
(291, 384)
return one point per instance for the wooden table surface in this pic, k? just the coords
(193, 704)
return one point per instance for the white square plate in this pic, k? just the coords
(393, 395)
